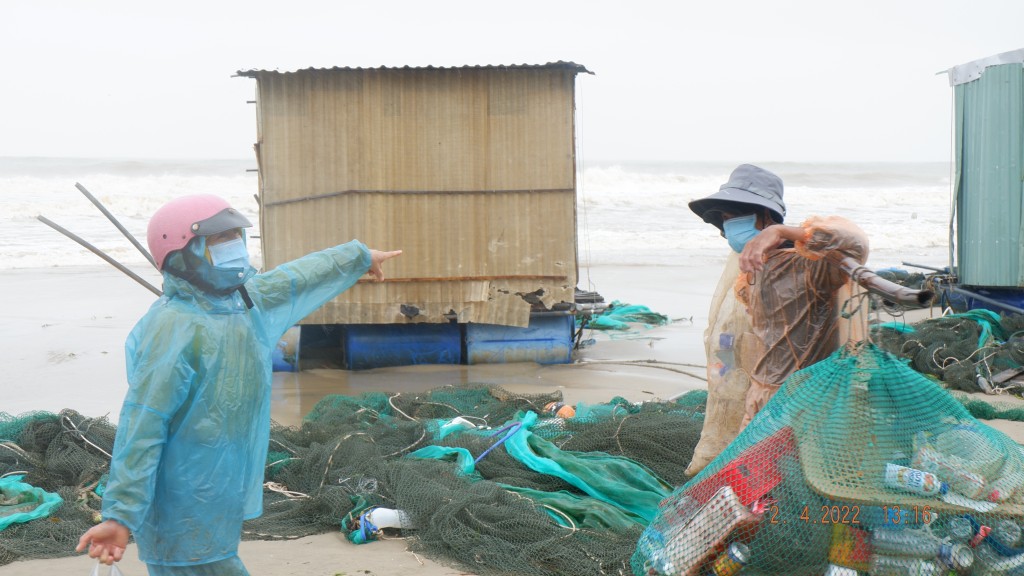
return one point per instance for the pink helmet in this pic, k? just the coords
(182, 219)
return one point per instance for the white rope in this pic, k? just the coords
(284, 491)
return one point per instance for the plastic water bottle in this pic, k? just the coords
(960, 529)
(912, 543)
(1005, 487)
(950, 469)
(922, 545)
(970, 449)
(957, 557)
(725, 352)
(883, 565)
(991, 563)
(652, 546)
(1007, 532)
(389, 518)
(913, 480)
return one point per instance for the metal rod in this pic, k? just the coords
(468, 278)
(875, 284)
(922, 266)
(977, 296)
(118, 224)
(437, 192)
(100, 253)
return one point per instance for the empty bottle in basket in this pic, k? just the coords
(1006, 532)
(960, 529)
(905, 542)
(956, 557)
(912, 480)
(725, 352)
(883, 565)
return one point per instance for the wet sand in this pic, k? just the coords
(63, 331)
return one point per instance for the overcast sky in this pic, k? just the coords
(758, 80)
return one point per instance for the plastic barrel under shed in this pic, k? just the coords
(285, 356)
(368, 346)
(547, 340)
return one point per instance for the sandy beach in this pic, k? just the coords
(64, 329)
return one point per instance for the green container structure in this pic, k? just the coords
(989, 178)
(988, 184)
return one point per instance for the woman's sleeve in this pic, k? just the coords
(294, 289)
(826, 234)
(160, 375)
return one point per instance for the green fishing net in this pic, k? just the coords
(491, 480)
(858, 464)
(620, 315)
(967, 351)
(61, 459)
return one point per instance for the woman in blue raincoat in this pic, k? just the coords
(192, 436)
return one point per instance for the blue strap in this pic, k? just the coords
(366, 528)
(512, 429)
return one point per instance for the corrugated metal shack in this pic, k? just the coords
(470, 170)
(989, 161)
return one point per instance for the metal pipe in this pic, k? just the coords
(922, 266)
(889, 291)
(977, 296)
(118, 224)
(100, 253)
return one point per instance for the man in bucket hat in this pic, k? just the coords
(776, 309)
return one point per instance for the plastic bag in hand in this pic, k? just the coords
(97, 570)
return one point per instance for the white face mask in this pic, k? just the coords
(230, 254)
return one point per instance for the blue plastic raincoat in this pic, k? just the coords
(192, 438)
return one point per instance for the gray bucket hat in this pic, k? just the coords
(748, 185)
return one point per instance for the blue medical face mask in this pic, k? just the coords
(193, 264)
(740, 230)
(230, 254)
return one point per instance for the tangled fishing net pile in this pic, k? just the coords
(491, 481)
(968, 351)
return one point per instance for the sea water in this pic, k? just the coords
(628, 213)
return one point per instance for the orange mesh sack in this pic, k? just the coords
(794, 307)
(828, 233)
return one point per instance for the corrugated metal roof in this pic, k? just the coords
(572, 66)
(973, 70)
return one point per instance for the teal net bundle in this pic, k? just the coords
(857, 465)
(621, 316)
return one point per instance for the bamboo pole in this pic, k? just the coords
(101, 254)
(117, 224)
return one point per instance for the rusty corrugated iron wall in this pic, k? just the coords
(471, 171)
